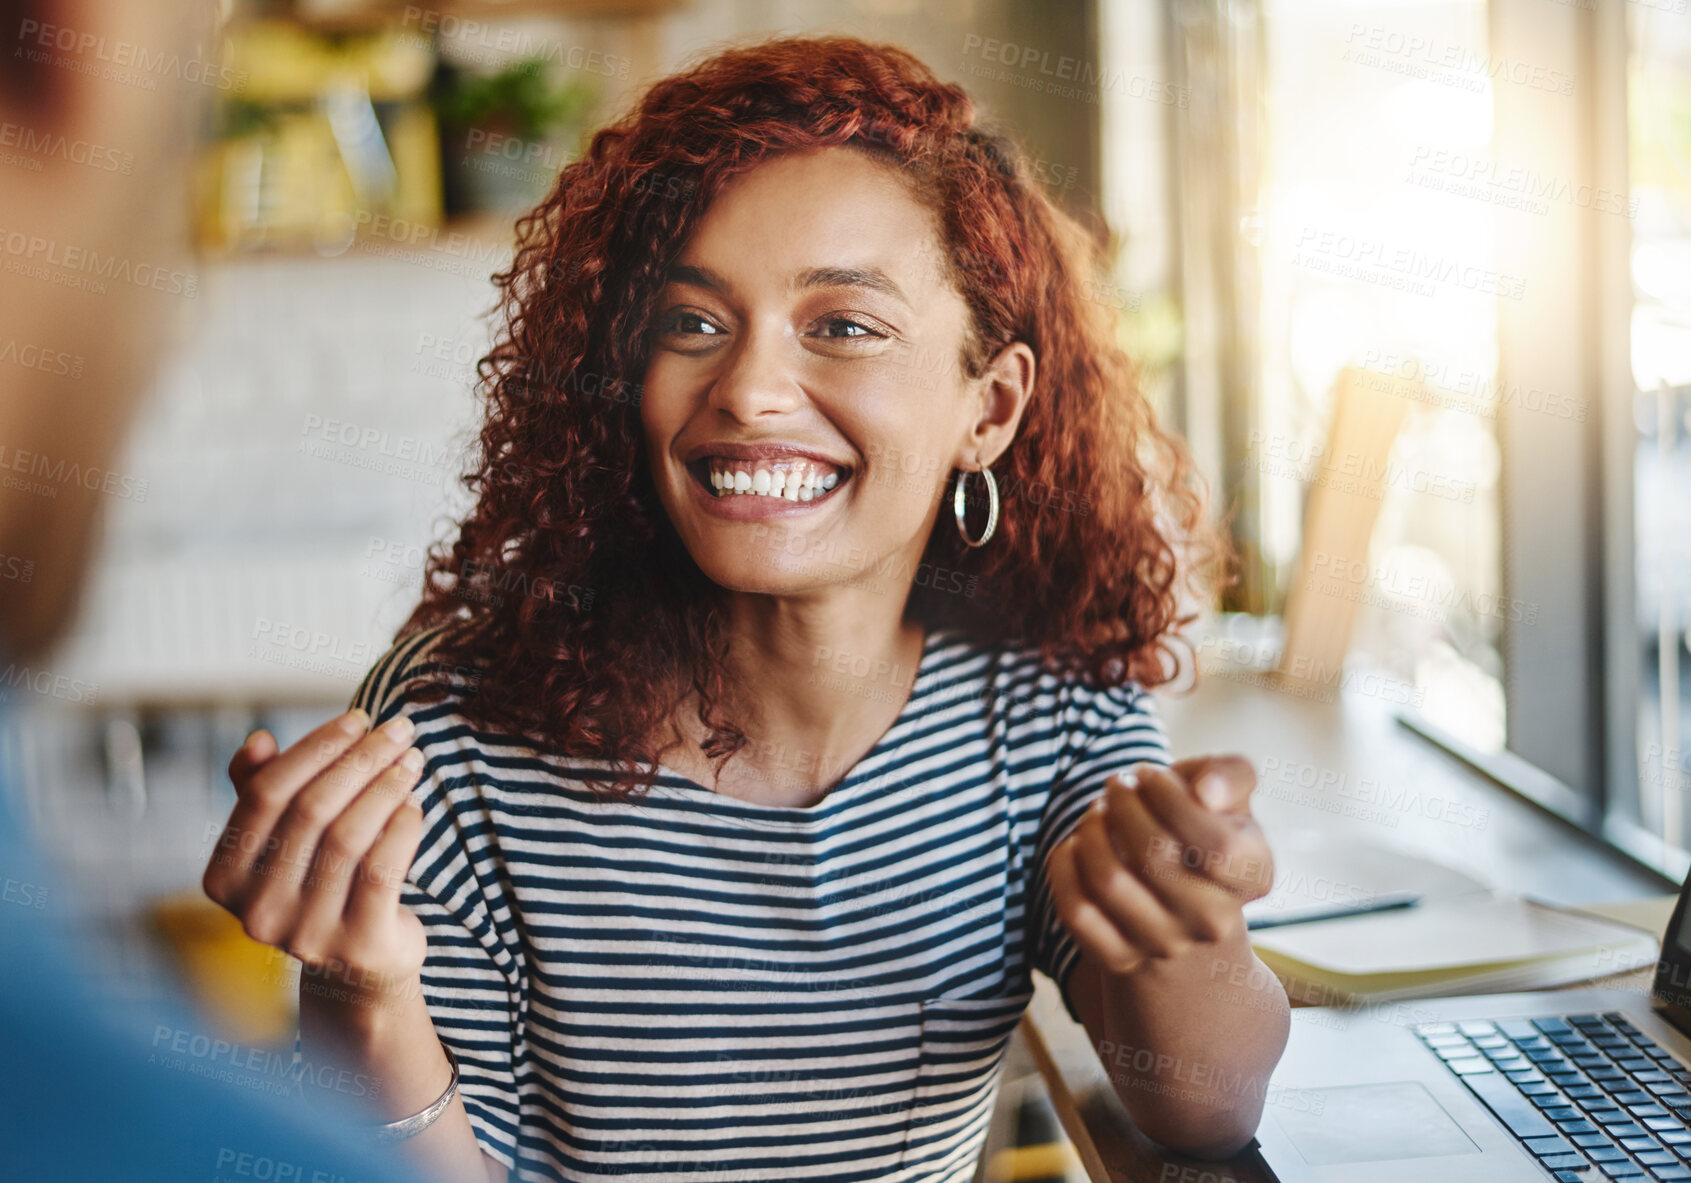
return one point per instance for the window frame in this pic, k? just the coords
(1572, 710)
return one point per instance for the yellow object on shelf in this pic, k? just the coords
(245, 988)
(290, 187)
(286, 63)
(1049, 1160)
(329, 140)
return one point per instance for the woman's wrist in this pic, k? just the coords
(387, 1044)
(360, 1020)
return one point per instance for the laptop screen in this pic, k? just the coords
(1672, 987)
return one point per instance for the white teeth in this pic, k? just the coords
(795, 482)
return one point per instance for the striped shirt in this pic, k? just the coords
(693, 986)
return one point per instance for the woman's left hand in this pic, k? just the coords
(1162, 863)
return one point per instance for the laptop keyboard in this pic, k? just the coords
(1591, 1097)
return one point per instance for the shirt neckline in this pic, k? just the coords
(889, 739)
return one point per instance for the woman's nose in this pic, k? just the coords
(759, 377)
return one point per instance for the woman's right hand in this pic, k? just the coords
(317, 847)
(312, 860)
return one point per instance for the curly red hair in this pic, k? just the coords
(587, 618)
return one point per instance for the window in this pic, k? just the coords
(1659, 204)
(1491, 199)
(1379, 251)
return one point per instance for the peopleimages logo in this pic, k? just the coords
(53, 144)
(1465, 389)
(47, 361)
(1381, 582)
(1062, 76)
(1348, 471)
(45, 475)
(1446, 63)
(503, 40)
(1406, 268)
(1511, 185)
(37, 257)
(117, 59)
(46, 684)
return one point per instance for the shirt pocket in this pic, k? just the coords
(962, 1047)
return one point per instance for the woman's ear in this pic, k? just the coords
(1003, 391)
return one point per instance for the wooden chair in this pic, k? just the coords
(1345, 495)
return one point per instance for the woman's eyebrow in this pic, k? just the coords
(699, 277)
(816, 277)
(851, 277)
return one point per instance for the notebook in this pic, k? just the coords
(1464, 945)
(1462, 938)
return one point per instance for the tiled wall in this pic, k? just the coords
(312, 428)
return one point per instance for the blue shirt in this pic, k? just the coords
(98, 1091)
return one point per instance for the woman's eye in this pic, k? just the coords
(839, 328)
(689, 324)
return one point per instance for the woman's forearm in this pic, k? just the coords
(1195, 1041)
(392, 1043)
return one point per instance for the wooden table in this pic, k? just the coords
(1342, 770)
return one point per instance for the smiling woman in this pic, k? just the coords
(746, 786)
(841, 267)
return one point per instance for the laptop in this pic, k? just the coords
(1581, 1086)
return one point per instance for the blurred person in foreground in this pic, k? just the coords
(782, 704)
(93, 159)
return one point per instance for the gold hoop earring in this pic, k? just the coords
(959, 498)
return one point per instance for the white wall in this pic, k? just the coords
(313, 428)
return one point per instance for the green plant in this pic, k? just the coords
(235, 118)
(520, 98)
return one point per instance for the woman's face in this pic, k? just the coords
(804, 403)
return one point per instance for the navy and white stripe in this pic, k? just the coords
(692, 986)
